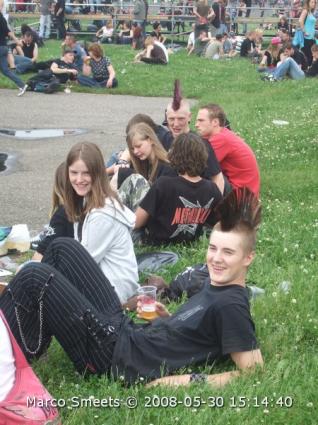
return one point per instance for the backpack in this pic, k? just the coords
(28, 402)
(44, 82)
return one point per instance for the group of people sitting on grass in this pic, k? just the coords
(87, 66)
(281, 58)
(170, 183)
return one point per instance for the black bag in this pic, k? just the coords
(189, 282)
(44, 82)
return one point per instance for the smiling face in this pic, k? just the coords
(80, 177)
(142, 148)
(228, 258)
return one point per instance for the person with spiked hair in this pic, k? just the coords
(178, 115)
(69, 297)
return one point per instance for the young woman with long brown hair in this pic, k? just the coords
(101, 222)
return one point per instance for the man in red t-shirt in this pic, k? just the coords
(236, 158)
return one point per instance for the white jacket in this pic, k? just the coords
(106, 236)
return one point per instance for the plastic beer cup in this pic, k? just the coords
(147, 297)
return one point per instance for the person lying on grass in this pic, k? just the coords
(69, 297)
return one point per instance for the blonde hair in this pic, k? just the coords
(146, 168)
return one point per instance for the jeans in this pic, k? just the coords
(69, 297)
(91, 82)
(23, 64)
(45, 26)
(222, 29)
(4, 68)
(288, 67)
(60, 27)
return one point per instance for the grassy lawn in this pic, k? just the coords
(286, 323)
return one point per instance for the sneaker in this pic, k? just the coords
(23, 90)
(268, 77)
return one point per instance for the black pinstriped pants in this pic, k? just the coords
(79, 307)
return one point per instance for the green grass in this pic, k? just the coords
(287, 250)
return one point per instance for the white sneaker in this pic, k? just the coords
(23, 90)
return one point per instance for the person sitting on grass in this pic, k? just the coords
(271, 55)
(178, 115)
(154, 53)
(156, 33)
(26, 54)
(200, 44)
(237, 160)
(290, 68)
(248, 46)
(105, 33)
(138, 37)
(97, 69)
(125, 34)
(148, 160)
(79, 52)
(176, 208)
(214, 49)
(81, 309)
(59, 224)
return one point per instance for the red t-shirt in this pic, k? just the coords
(237, 160)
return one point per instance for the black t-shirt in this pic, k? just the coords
(59, 5)
(246, 47)
(28, 50)
(213, 323)
(165, 136)
(300, 58)
(179, 208)
(63, 65)
(312, 71)
(164, 169)
(4, 30)
(58, 226)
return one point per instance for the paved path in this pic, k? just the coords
(25, 191)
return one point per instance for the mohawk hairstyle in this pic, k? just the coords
(240, 210)
(177, 96)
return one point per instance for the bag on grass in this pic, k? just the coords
(44, 82)
(153, 261)
(28, 402)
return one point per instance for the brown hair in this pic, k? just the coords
(314, 48)
(74, 204)
(188, 154)
(96, 49)
(146, 168)
(58, 194)
(240, 212)
(139, 118)
(215, 111)
(307, 7)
